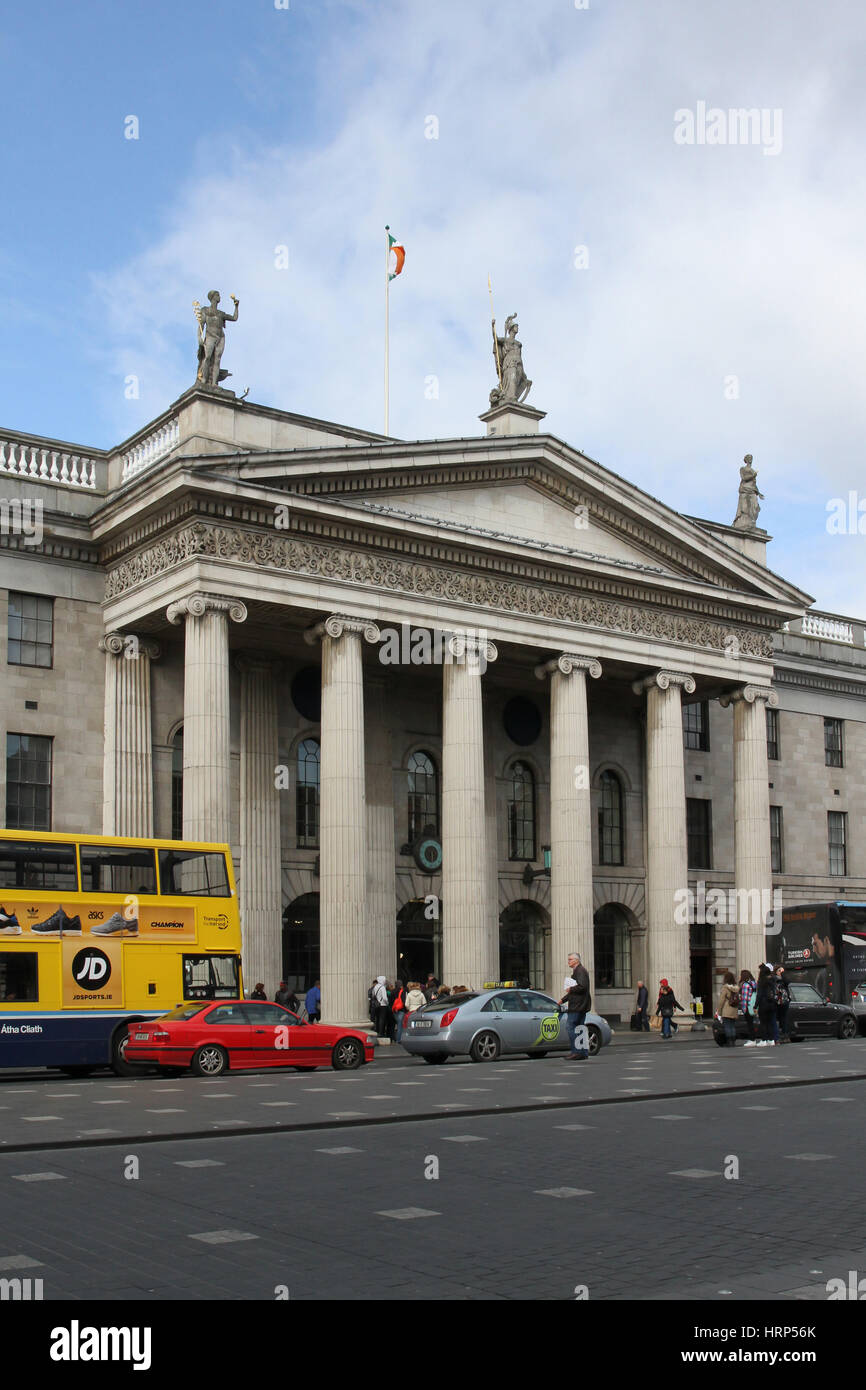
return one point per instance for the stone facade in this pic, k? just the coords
(240, 549)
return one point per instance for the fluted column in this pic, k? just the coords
(570, 814)
(470, 933)
(260, 886)
(128, 765)
(753, 878)
(206, 725)
(667, 845)
(381, 877)
(345, 943)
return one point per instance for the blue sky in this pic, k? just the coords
(308, 128)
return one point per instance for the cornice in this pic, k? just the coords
(388, 573)
(825, 682)
(53, 548)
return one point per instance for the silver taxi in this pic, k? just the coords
(487, 1023)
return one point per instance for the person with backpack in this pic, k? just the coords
(380, 998)
(747, 1005)
(783, 1000)
(729, 1006)
(667, 1002)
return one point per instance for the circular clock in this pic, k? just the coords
(428, 854)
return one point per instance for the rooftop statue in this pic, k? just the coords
(508, 353)
(748, 505)
(212, 338)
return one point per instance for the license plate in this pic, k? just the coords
(423, 1023)
(141, 1037)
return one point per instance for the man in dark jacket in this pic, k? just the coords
(642, 1005)
(577, 1000)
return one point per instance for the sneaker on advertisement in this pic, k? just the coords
(58, 922)
(115, 925)
(7, 919)
(72, 924)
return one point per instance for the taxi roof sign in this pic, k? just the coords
(500, 984)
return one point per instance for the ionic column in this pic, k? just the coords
(570, 814)
(260, 886)
(381, 877)
(667, 846)
(470, 931)
(206, 726)
(344, 926)
(127, 807)
(753, 878)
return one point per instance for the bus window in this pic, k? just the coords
(193, 873)
(42, 866)
(210, 977)
(117, 869)
(19, 978)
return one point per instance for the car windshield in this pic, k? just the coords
(184, 1011)
(805, 994)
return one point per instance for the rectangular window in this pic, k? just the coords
(117, 869)
(28, 782)
(19, 977)
(772, 734)
(696, 726)
(777, 860)
(700, 833)
(210, 977)
(31, 630)
(25, 864)
(193, 873)
(833, 742)
(837, 837)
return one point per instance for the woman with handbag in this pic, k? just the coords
(729, 1002)
(667, 1002)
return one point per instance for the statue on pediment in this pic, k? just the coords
(748, 505)
(212, 338)
(508, 353)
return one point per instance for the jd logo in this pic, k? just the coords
(91, 968)
(549, 1028)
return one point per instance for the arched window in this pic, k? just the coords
(612, 948)
(521, 813)
(610, 820)
(177, 786)
(423, 796)
(307, 794)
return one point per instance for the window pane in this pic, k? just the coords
(610, 850)
(25, 864)
(117, 869)
(19, 977)
(696, 724)
(28, 782)
(521, 813)
(698, 825)
(30, 630)
(423, 796)
(193, 873)
(833, 742)
(307, 797)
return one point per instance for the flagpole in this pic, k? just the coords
(387, 315)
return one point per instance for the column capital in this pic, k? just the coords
(196, 605)
(568, 662)
(128, 644)
(337, 624)
(473, 647)
(663, 680)
(751, 693)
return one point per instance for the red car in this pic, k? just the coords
(241, 1033)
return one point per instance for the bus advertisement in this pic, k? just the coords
(100, 932)
(823, 942)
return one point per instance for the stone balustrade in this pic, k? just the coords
(826, 628)
(149, 450)
(48, 463)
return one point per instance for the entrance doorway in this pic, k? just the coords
(521, 944)
(701, 956)
(301, 966)
(419, 952)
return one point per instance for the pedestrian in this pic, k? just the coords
(286, 997)
(259, 992)
(415, 999)
(783, 1001)
(380, 996)
(641, 1006)
(431, 987)
(667, 1002)
(747, 1005)
(314, 1003)
(398, 1008)
(765, 1003)
(729, 1006)
(372, 1006)
(577, 1000)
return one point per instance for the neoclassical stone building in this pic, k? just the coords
(458, 705)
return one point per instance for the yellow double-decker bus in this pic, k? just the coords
(98, 932)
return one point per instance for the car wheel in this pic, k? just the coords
(485, 1048)
(348, 1055)
(536, 1054)
(848, 1027)
(119, 1064)
(434, 1058)
(594, 1041)
(210, 1060)
(77, 1071)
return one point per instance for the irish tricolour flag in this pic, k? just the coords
(396, 256)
